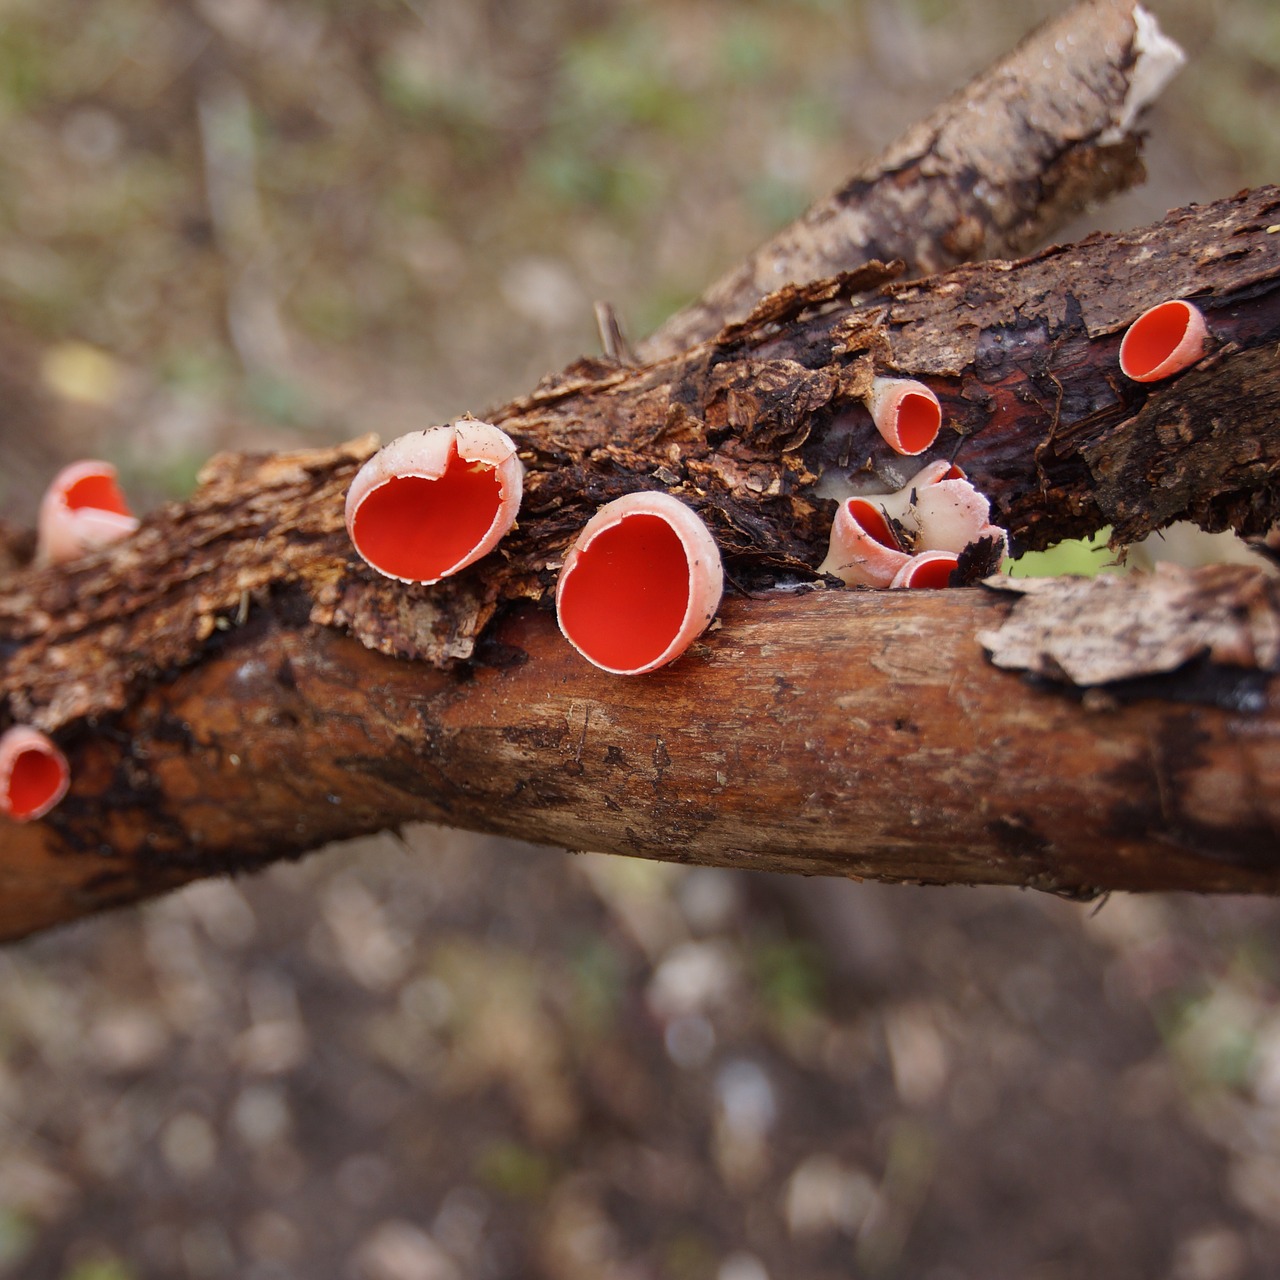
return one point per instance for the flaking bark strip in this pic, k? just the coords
(1097, 631)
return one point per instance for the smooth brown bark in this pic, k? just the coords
(832, 732)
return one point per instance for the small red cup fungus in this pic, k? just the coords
(435, 501)
(1163, 341)
(864, 550)
(930, 569)
(641, 582)
(82, 510)
(878, 540)
(34, 774)
(906, 413)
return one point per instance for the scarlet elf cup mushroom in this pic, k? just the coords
(34, 775)
(1164, 340)
(82, 510)
(641, 582)
(881, 540)
(906, 413)
(432, 502)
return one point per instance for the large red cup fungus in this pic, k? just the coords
(435, 501)
(906, 413)
(34, 774)
(641, 582)
(1163, 341)
(82, 510)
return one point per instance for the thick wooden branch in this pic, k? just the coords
(830, 732)
(993, 172)
(217, 717)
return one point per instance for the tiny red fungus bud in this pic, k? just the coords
(34, 774)
(906, 413)
(435, 501)
(82, 510)
(641, 582)
(1163, 341)
(930, 569)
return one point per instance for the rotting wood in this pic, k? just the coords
(1021, 355)
(217, 719)
(280, 734)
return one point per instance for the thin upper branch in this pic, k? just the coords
(992, 173)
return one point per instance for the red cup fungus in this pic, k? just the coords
(82, 510)
(876, 539)
(433, 502)
(930, 569)
(34, 774)
(641, 582)
(1163, 341)
(865, 551)
(906, 413)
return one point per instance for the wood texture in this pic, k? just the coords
(849, 733)
(1022, 356)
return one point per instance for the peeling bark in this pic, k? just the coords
(1022, 357)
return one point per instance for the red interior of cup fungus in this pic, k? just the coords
(419, 528)
(626, 598)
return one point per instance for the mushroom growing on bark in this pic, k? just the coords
(641, 582)
(1163, 341)
(34, 774)
(879, 540)
(927, 569)
(432, 502)
(82, 510)
(906, 413)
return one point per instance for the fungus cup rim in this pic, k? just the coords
(702, 559)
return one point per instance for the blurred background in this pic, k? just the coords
(237, 223)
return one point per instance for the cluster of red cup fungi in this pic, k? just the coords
(640, 584)
(643, 578)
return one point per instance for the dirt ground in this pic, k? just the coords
(236, 223)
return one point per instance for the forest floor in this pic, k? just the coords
(231, 223)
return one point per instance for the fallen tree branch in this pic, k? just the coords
(832, 732)
(868, 728)
(234, 686)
